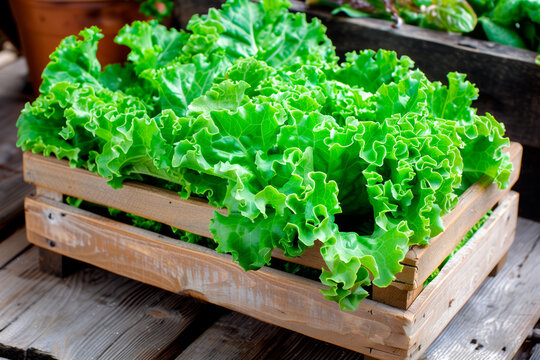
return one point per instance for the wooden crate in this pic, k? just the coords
(270, 295)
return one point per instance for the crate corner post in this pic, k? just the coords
(51, 262)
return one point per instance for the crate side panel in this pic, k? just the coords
(463, 274)
(139, 199)
(279, 298)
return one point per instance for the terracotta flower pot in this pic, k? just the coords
(42, 24)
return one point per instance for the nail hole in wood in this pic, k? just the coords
(473, 341)
(51, 243)
(50, 216)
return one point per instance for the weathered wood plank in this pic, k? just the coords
(278, 298)
(235, 336)
(12, 187)
(22, 285)
(504, 310)
(184, 10)
(49, 194)
(139, 199)
(50, 262)
(535, 352)
(13, 246)
(94, 314)
(13, 190)
(441, 299)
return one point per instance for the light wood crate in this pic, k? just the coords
(290, 301)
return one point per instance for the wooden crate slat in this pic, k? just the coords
(442, 298)
(194, 215)
(143, 200)
(270, 295)
(505, 308)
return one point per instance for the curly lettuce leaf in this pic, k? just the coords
(252, 111)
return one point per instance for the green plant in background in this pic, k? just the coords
(157, 9)
(252, 110)
(510, 22)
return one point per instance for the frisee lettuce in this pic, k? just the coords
(252, 110)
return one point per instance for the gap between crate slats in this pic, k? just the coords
(194, 214)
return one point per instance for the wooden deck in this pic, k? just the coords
(93, 314)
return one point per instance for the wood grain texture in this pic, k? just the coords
(13, 190)
(235, 336)
(462, 275)
(506, 76)
(392, 295)
(13, 246)
(504, 310)
(164, 206)
(22, 286)
(93, 315)
(147, 201)
(535, 355)
(273, 296)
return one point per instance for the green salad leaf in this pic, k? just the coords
(251, 109)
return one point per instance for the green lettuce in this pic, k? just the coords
(251, 109)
